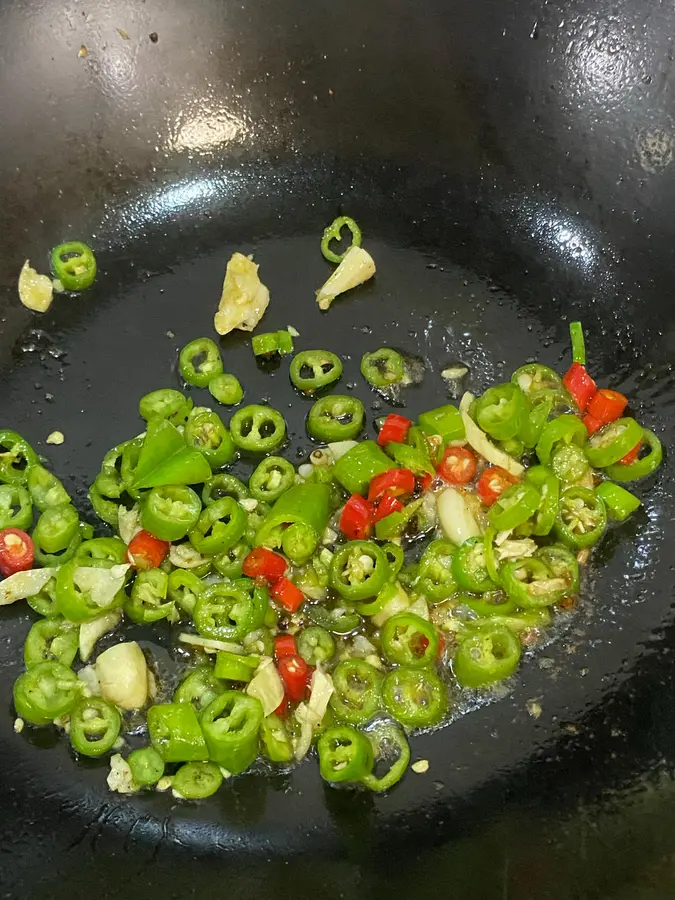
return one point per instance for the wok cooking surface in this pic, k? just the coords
(496, 210)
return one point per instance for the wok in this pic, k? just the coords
(511, 167)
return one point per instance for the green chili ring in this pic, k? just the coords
(258, 429)
(200, 361)
(94, 726)
(74, 264)
(334, 232)
(383, 367)
(311, 370)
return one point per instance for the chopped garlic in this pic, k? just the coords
(89, 679)
(123, 675)
(477, 439)
(248, 503)
(91, 631)
(184, 556)
(18, 725)
(356, 267)
(534, 708)
(292, 331)
(210, 645)
(56, 437)
(164, 783)
(35, 291)
(120, 778)
(24, 584)
(453, 373)
(129, 522)
(244, 298)
(421, 766)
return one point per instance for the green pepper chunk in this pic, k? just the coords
(531, 584)
(357, 467)
(490, 653)
(183, 589)
(16, 507)
(226, 389)
(131, 454)
(316, 645)
(296, 522)
(227, 611)
(345, 755)
(220, 526)
(74, 265)
(414, 458)
(148, 597)
(258, 429)
(333, 232)
(643, 465)
(389, 746)
(76, 603)
(17, 457)
(199, 689)
(409, 640)
(170, 511)
(578, 343)
(271, 343)
(165, 404)
(175, 733)
(435, 580)
(548, 487)
(514, 506)
(383, 367)
(45, 488)
(57, 535)
(469, 567)
(200, 361)
(165, 459)
(223, 485)
(357, 691)
(581, 519)
(335, 417)
(273, 476)
(620, 503)
(416, 698)
(312, 370)
(206, 432)
(50, 640)
(94, 726)
(612, 442)
(235, 666)
(445, 421)
(104, 552)
(567, 429)
(45, 692)
(197, 780)
(501, 410)
(147, 766)
(396, 523)
(275, 740)
(358, 570)
(231, 724)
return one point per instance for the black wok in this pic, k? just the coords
(511, 166)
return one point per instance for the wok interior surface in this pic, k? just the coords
(500, 201)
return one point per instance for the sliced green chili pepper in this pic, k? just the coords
(170, 511)
(258, 429)
(45, 489)
(488, 605)
(413, 458)
(164, 459)
(490, 653)
(582, 518)
(166, 404)
(336, 622)
(311, 370)
(200, 361)
(260, 641)
(358, 570)
(345, 755)
(578, 343)
(514, 506)
(391, 747)
(383, 367)
(469, 567)
(104, 552)
(197, 780)
(569, 463)
(44, 602)
(501, 410)
(235, 666)
(445, 421)
(535, 379)
(539, 409)
(567, 429)
(49, 640)
(272, 342)
(77, 604)
(223, 485)
(396, 523)
(435, 579)
(335, 418)
(161, 440)
(220, 526)
(273, 476)
(206, 432)
(612, 442)
(227, 611)
(146, 765)
(94, 726)
(175, 733)
(57, 535)
(16, 507)
(17, 457)
(489, 556)
(226, 389)
(199, 688)
(563, 564)
(184, 587)
(334, 233)
(416, 698)
(276, 742)
(620, 503)
(358, 466)
(74, 264)
(530, 583)
(357, 691)
(148, 597)
(409, 640)
(316, 645)
(296, 522)
(231, 724)
(45, 692)
(549, 493)
(395, 557)
(230, 562)
(643, 465)
(254, 520)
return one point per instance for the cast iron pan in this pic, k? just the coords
(510, 167)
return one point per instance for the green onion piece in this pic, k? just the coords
(578, 344)
(333, 233)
